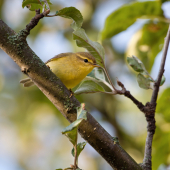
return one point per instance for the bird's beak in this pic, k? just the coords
(95, 65)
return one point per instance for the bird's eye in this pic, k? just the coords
(85, 60)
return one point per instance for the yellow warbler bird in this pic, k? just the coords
(71, 68)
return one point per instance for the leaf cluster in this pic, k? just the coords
(143, 78)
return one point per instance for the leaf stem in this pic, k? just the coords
(75, 153)
(112, 93)
(75, 156)
(151, 78)
(51, 15)
(108, 77)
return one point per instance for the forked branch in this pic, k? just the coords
(34, 21)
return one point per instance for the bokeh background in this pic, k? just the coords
(30, 126)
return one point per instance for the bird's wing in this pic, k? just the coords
(58, 56)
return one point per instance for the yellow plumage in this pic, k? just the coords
(71, 68)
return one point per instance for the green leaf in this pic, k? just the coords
(80, 147)
(81, 113)
(92, 73)
(125, 16)
(71, 131)
(59, 169)
(72, 126)
(143, 81)
(162, 1)
(136, 64)
(99, 74)
(94, 48)
(33, 5)
(28, 2)
(72, 135)
(162, 80)
(89, 86)
(72, 13)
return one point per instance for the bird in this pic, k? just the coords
(70, 68)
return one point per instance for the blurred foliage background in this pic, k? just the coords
(30, 126)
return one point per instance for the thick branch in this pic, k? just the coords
(16, 47)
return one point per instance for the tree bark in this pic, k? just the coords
(16, 47)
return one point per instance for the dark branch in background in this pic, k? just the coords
(149, 108)
(161, 70)
(128, 95)
(34, 21)
(150, 116)
(16, 47)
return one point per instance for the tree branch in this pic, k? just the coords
(34, 21)
(128, 95)
(17, 48)
(150, 116)
(161, 70)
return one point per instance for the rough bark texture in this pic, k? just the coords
(16, 47)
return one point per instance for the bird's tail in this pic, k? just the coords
(27, 82)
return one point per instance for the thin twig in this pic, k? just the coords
(75, 153)
(51, 15)
(150, 116)
(75, 156)
(161, 70)
(123, 91)
(128, 95)
(34, 21)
